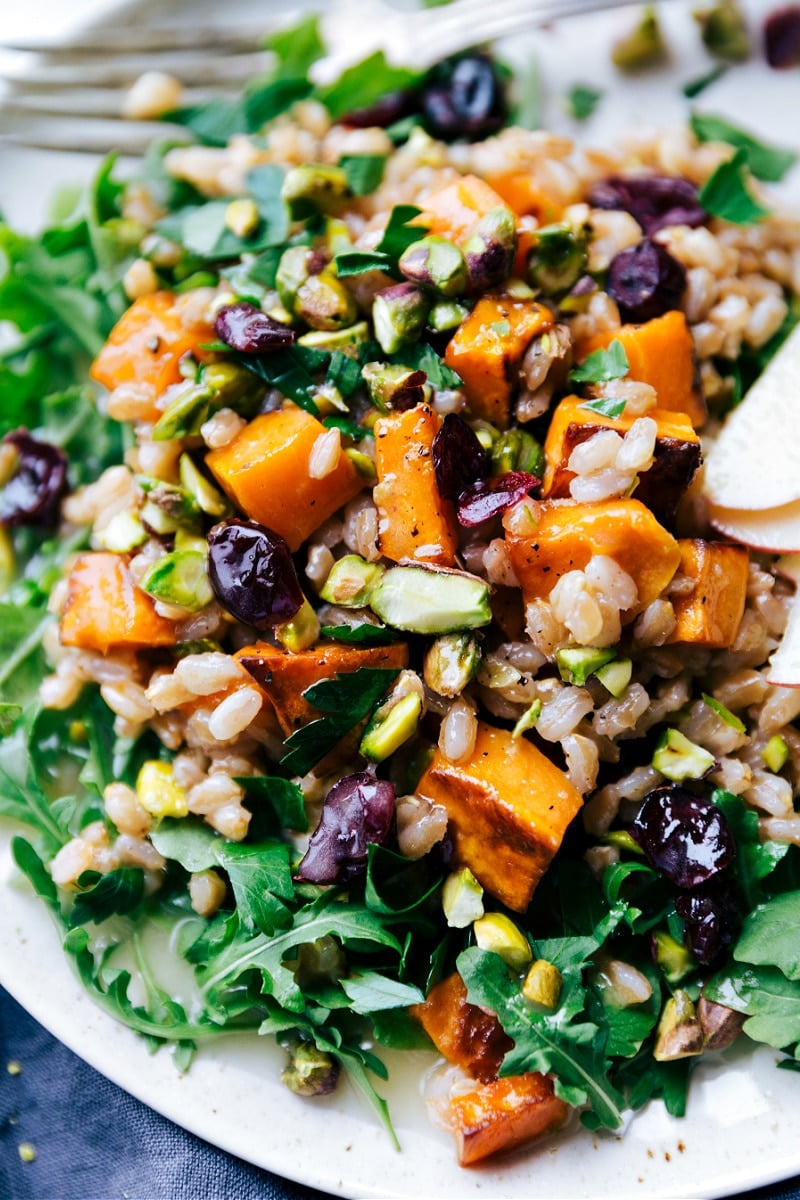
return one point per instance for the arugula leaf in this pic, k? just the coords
(770, 1001)
(32, 866)
(297, 48)
(261, 880)
(22, 662)
(347, 699)
(397, 1029)
(371, 992)
(26, 802)
(188, 841)
(365, 634)
(766, 162)
(283, 797)
(694, 87)
(116, 893)
(769, 935)
(755, 860)
(602, 366)
(581, 101)
(364, 172)
(395, 886)
(202, 228)
(725, 193)
(361, 85)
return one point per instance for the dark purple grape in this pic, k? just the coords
(463, 98)
(252, 573)
(356, 813)
(655, 201)
(782, 37)
(385, 111)
(33, 494)
(458, 458)
(646, 281)
(247, 329)
(685, 837)
(712, 922)
(490, 497)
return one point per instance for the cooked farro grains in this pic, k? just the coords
(221, 719)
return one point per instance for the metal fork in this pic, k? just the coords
(71, 95)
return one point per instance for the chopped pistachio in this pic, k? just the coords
(123, 532)
(337, 236)
(775, 753)
(391, 727)
(677, 758)
(723, 29)
(293, 270)
(362, 462)
(14, 1067)
(204, 494)
(517, 450)
(324, 303)
(311, 1072)
(398, 315)
(543, 984)
(446, 315)
(6, 557)
(158, 792)
(462, 899)
(672, 957)
(724, 713)
(498, 933)
(242, 217)
(436, 263)
(489, 250)
(518, 289)
(528, 719)
(557, 259)
(431, 600)
(615, 676)
(577, 663)
(180, 578)
(350, 581)
(301, 632)
(78, 732)
(643, 47)
(451, 662)
(623, 841)
(221, 385)
(314, 188)
(721, 1025)
(27, 1151)
(391, 386)
(679, 1033)
(347, 340)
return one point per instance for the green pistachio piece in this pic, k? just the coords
(446, 315)
(723, 29)
(451, 662)
(462, 899)
(557, 259)
(436, 263)
(204, 494)
(398, 315)
(293, 270)
(775, 753)
(498, 933)
(311, 1072)
(314, 188)
(543, 984)
(674, 959)
(615, 676)
(347, 340)
(301, 632)
(643, 47)
(677, 758)
(489, 251)
(679, 1033)
(324, 303)
(351, 581)
(517, 450)
(394, 386)
(431, 600)
(180, 578)
(391, 727)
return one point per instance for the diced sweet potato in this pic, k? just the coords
(567, 534)
(502, 1114)
(676, 458)
(147, 344)
(710, 615)
(265, 471)
(661, 353)
(524, 196)
(487, 349)
(508, 807)
(463, 1033)
(414, 522)
(284, 676)
(454, 211)
(105, 610)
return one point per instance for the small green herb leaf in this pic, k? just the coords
(365, 634)
(101, 896)
(725, 193)
(361, 85)
(347, 699)
(766, 162)
(364, 172)
(602, 366)
(581, 101)
(694, 87)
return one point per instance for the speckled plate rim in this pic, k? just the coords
(741, 1130)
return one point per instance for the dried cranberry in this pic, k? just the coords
(384, 112)
(712, 922)
(655, 201)
(490, 497)
(685, 837)
(33, 494)
(247, 329)
(252, 573)
(458, 457)
(357, 812)
(463, 98)
(782, 37)
(646, 281)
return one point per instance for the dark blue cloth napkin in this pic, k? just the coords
(95, 1142)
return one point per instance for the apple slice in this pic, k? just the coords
(789, 567)
(755, 461)
(784, 666)
(774, 529)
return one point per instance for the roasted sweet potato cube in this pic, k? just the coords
(487, 349)
(105, 610)
(463, 1033)
(414, 522)
(502, 1114)
(661, 353)
(565, 534)
(265, 471)
(675, 460)
(454, 211)
(284, 676)
(508, 807)
(710, 615)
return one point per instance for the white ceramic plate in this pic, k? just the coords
(741, 1130)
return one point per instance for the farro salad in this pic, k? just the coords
(395, 620)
